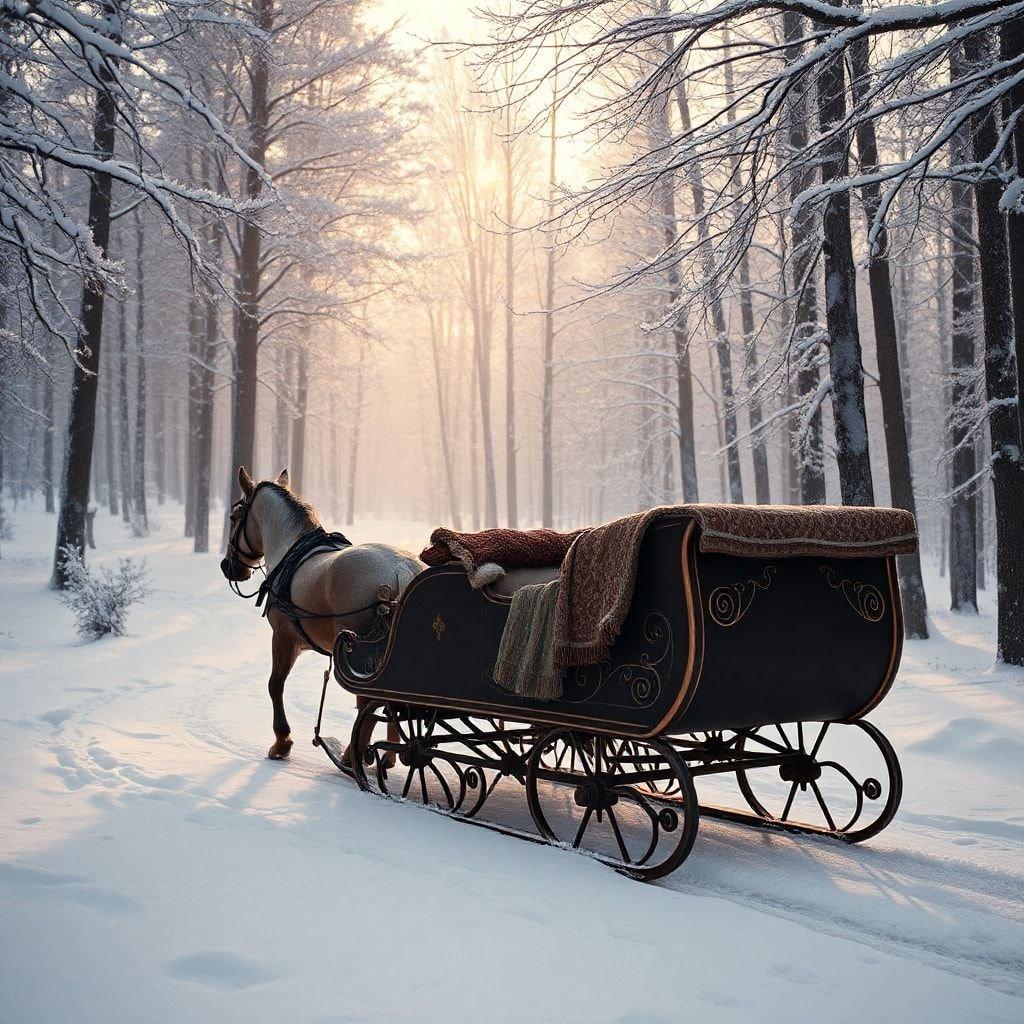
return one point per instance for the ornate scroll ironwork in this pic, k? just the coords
(728, 604)
(867, 601)
(643, 677)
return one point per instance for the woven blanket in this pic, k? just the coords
(526, 655)
(487, 554)
(599, 571)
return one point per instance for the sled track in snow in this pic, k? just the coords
(936, 885)
(1000, 969)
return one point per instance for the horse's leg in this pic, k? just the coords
(283, 651)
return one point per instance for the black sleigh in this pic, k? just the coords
(750, 676)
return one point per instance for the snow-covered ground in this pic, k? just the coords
(154, 866)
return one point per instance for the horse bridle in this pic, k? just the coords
(239, 532)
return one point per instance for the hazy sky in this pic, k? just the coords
(429, 19)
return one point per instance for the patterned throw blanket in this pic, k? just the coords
(487, 554)
(599, 571)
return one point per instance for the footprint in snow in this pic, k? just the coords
(219, 968)
(58, 716)
(30, 882)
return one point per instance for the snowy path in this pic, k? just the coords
(151, 859)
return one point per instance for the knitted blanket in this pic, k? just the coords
(526, 655)
(487, 554)
(599, 570)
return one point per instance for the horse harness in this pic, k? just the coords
(276, 588)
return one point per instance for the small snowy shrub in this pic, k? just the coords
(101, 600)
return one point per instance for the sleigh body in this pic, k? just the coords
(722, 664)
(711, 642)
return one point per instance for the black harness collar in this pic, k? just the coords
(276, 588)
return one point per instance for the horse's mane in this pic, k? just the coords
(300, 511)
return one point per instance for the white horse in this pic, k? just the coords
(336, 589)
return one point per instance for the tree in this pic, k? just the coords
(890, 372)
(547, 406)
(847, 372)
(140, 522)
(82, 416)
(803, 283)
(963, 399)
(1000, 374)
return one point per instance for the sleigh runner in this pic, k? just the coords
(725, 663)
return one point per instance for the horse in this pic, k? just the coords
(331, 588)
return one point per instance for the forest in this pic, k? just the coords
(557, 263)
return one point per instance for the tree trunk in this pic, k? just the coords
(1012, 49)
(160, 445)
(124, 432)
(979, 527)
(204, 394)
(335, 480)
(547, 500)
(231, 487)
(789, 424)
(108, 432)
(511, 482)
(809, 442)
(762, 487)
(442, 419)
(204, 427)
(480, 300)
(847, 372)
(195, 348)
(890, 374)
(721, 342)
(298, 461)
(685, 434)
(350, 504)
(1000, 382)
(141, 523)
(82, 415)
(962, 397)
(474, 461)
(284, 417)
(751, 372)
(48, 439)
(243, 443)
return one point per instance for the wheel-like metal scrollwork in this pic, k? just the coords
(417, 754)
(592, 793)
(842, 779)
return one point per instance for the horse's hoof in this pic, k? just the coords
(280, 750)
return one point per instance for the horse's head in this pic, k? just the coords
(245, 548)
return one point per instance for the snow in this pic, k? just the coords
(152, 861)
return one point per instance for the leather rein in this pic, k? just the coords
(277, 584)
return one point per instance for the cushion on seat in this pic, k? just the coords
(516, 578)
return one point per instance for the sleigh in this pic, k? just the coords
(756, 670)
